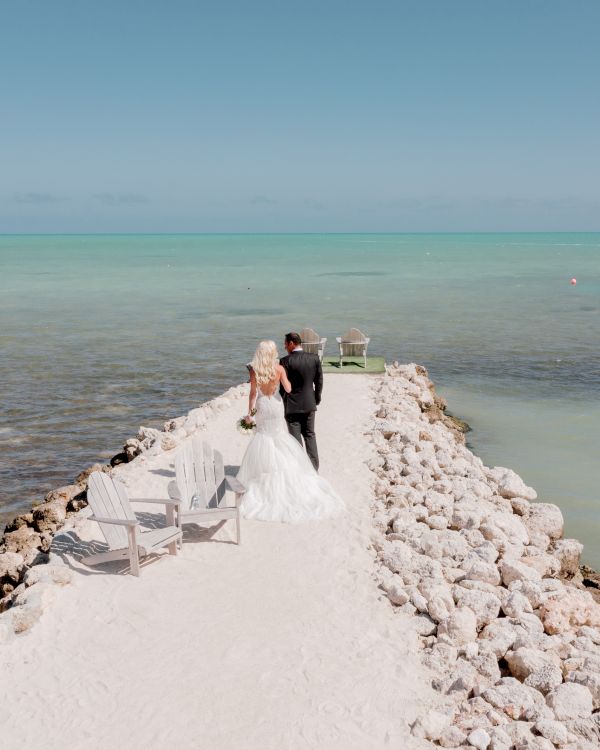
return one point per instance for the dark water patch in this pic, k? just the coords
(27, 274)
(245, 312)
(194, 314)
(357, 274)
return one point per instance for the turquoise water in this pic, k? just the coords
(102, 333)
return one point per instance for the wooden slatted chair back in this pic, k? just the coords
(107, 498)
(309, 336)
(354, 336)
(200, 475)
(310, 340)
(353, 342)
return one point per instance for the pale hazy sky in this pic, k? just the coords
(328, 115)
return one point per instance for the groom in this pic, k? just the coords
(306, 377)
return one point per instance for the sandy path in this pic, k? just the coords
(282, 642)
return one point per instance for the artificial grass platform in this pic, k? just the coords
(356, 365)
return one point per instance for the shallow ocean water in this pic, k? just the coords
(101, 333)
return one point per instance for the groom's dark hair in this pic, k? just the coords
(293, 338)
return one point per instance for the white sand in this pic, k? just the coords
(281, 643)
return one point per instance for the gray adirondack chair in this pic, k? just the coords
(200, 486)
(112, 510)
(353, 343)
(312, 342)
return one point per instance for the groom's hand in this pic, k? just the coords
(318, 382)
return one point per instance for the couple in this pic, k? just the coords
(281, 480)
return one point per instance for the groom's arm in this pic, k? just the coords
(283, 363)
(318, 381)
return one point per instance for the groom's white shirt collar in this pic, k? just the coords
(297, 349)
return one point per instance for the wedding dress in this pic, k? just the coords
(281, 483)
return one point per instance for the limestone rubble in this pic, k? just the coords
(510, 635)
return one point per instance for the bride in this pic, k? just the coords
(281, 483)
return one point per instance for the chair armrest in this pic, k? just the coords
(163, 501)
(235, 485)
(115, 521)
(173, 491)
(338, 339)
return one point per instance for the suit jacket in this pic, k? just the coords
(306, 377)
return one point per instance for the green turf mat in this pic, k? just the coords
(375, 365)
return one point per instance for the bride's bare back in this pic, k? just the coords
(268, 389)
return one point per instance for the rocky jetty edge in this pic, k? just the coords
(30, 569)
(508, 623)
(508, 628)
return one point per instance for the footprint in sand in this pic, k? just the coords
(330, 708)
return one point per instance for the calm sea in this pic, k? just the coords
(102, 333)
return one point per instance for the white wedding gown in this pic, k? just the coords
(281, 482)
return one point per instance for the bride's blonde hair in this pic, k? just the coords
(265, 361)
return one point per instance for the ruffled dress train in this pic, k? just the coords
(281, 482)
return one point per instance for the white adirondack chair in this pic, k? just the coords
(200, 485)
(112, 510)
(353, 343)
(312, 342)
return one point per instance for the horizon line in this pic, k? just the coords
(196, 234)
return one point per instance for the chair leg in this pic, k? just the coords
(238, 526)
(134, 560)
(179, 525)
(173, 547)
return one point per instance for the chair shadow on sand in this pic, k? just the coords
(163, 472)
(72, 549)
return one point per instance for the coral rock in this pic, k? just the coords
(58, 574)
(591, 680)
(546, 518)
(516, 570)
(510, 696)
(568, 552)
(569, 610)
(63, 495)
(570, 701)
(485, 605)
(555, 731)
(431, 725)
(452, 737)
(22, 540)
(460, 627)
(25, 519)
(524, 661)
(545, 678)
(30, 605)
(510, 484)
(479, 738)
(11, 566)
(49, 516)
(82, 478)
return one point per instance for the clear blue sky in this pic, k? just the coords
(328, 115)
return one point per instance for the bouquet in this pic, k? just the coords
(244, 426)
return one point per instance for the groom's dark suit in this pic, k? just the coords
(306, 377)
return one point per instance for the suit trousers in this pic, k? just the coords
(300, 426)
